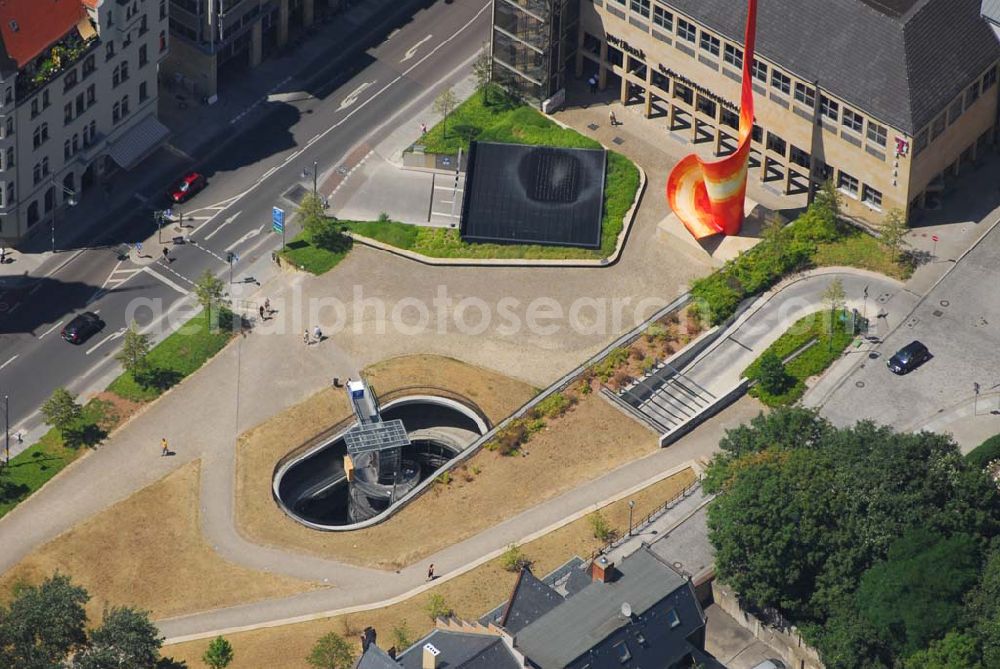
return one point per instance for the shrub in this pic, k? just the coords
(436, 607)
(605, 368)
(554, 405)
(514, 559)
(772, 375)
(985, 453)
(716, 297)
(509, 439)
(648, 364)
(444, 478)
(656, 332)
(601, 528)
(621, 379)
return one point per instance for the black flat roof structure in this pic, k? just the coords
(520, 194)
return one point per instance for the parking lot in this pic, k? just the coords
(959, 321)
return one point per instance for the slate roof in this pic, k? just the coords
(460, 650)
(585, 620)
(375, 658)
(901, 61)
(530, 600)
(28, 27)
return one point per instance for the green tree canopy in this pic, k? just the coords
(61, 410)
(219, 653)
(126, 639)
(43, 624)
(209, 290)
(331, 651)
(135, 348)
(772, 375)
(954, 651)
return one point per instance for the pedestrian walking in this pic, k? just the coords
(612, 118)
(318, 334)
(430, 572)
(166, 254)
(164, 449)
(305, 337)
(267, 305)
(423, 128)
(260, 310)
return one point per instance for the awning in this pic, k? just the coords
(86, 28)
(129, 150)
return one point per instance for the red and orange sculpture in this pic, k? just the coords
(707, 195)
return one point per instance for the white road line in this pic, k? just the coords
(12, 359)
(352, 97)
(50, 330)
(412, 51)
(113, 335)
(248, 236)
(35, 288)
(101, 292)
(209, 252)
(14, 308)
(222, 225)
(170, 282)
(119, 264)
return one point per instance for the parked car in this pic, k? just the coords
(908, 358)
(770, 664)
(82, 327)
(186, 187)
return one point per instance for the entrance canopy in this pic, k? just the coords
(138, 142)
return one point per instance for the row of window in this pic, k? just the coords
(954, 111)
(71, 146)
(848, 185)
(84, 101)
(779, 81)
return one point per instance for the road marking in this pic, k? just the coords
(49, 331)
(352, 97)
(113, 335)
(247, 237)
(35, 288)
(100, 293)
(12, 359)
(209, 252)
(293, 96)
(222, 225)
(14, 308)
(170, 282)
(412, 51)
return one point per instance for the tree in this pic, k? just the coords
(61, 410)
(126, 639)
(209, 290)
(955, 651)
(402, 638)
(437, 607)
(827, 201)
(600, 527)
(893, 232)
(331, 651)
(772, 376)
(43, 624)
(482, 70)
(834, 297)
(444, 104)
(135, 348)
(321, 229)
(219, 653)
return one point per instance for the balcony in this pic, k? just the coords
(54, 61)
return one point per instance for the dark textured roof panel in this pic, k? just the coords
(459, 649)
(901, 70)
(376, 658)
(530, 601)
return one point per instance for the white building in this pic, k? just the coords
(79, 95)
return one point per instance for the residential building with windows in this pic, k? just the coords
(212, 37)
(890, 99)
(78, 82)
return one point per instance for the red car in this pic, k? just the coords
(186, 187)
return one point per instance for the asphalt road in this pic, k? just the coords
(324, 123)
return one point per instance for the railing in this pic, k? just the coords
(53, 63)
(650, 517)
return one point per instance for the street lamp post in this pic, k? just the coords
(6, 428)
(631, 505)
(71, 201)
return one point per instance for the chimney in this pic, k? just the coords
(430, 656)
(602, 569)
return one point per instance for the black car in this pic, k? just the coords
(908, 358)
(82, 327)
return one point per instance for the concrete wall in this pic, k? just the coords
(795, 652)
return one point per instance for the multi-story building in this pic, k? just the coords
(212, 37)
(78, 83)
(891, 99)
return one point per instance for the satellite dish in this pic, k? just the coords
(626, 610)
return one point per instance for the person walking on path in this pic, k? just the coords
(261, 312)
(430, 572)
(267, 305)
(305, 338)
(164, 448)
(612, 118)
(423, 128)
(318, 334)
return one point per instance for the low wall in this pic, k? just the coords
(783, 637)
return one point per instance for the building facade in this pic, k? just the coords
(890, 99)
(212, 37)
(78, 80)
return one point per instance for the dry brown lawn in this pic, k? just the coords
(589, 440)
(470, 595)
(148, 551)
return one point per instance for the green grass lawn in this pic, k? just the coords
(301, 252)
(859, 249)
(811, 362)
(174, 358)
(33, 467)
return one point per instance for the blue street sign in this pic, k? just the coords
(278, 219)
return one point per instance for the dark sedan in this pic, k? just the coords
(82, 327)
(908, 358)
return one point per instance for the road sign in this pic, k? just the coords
(278, 219)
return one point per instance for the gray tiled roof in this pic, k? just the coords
(530, 600)
(593, 614)
(376, 658)
(901, 69)
(460, 650)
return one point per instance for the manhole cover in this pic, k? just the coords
(938, 313)
(859, 384)
(593, 126)
(618, 140)
(945, 303)
(872, 356)
(296, 193)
